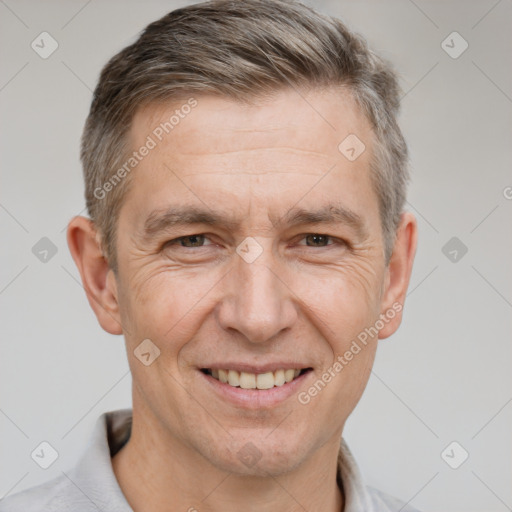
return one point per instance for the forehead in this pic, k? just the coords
(315, 120)
(267, 152)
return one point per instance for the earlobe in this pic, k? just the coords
(97, 277)
(398, 274)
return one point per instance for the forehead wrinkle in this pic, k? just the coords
(239, 172)
(281, 149)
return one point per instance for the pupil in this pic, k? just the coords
(318, 239)
(192, 241)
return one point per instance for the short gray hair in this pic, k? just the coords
(240, 50)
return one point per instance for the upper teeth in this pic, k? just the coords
(247, 380)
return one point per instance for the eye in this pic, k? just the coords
(190, 241)
(317, 240)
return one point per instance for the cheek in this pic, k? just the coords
(347, 387)
(165, 306)
(341, 301)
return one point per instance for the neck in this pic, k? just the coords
(156, 471)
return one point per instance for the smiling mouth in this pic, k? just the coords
(246, 380)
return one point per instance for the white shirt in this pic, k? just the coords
(91, 485)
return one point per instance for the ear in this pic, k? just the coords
(98, 278)
(398, 274)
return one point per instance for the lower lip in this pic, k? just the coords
(256, 398)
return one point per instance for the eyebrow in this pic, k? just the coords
(329, 214)
(161, 220)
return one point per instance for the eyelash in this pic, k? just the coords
(334, 240)
(176, 241)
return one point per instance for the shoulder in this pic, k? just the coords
(383, 502)
(91, 484)
(56, 495)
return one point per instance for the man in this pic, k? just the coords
(245, 178)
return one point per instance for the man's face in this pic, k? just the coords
(310, 278)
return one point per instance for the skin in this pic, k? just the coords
(303, 300)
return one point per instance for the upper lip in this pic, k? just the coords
(256, 368)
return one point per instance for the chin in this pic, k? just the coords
(258, 456)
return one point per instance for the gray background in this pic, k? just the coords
(445, 376)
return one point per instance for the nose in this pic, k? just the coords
(257, 303)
